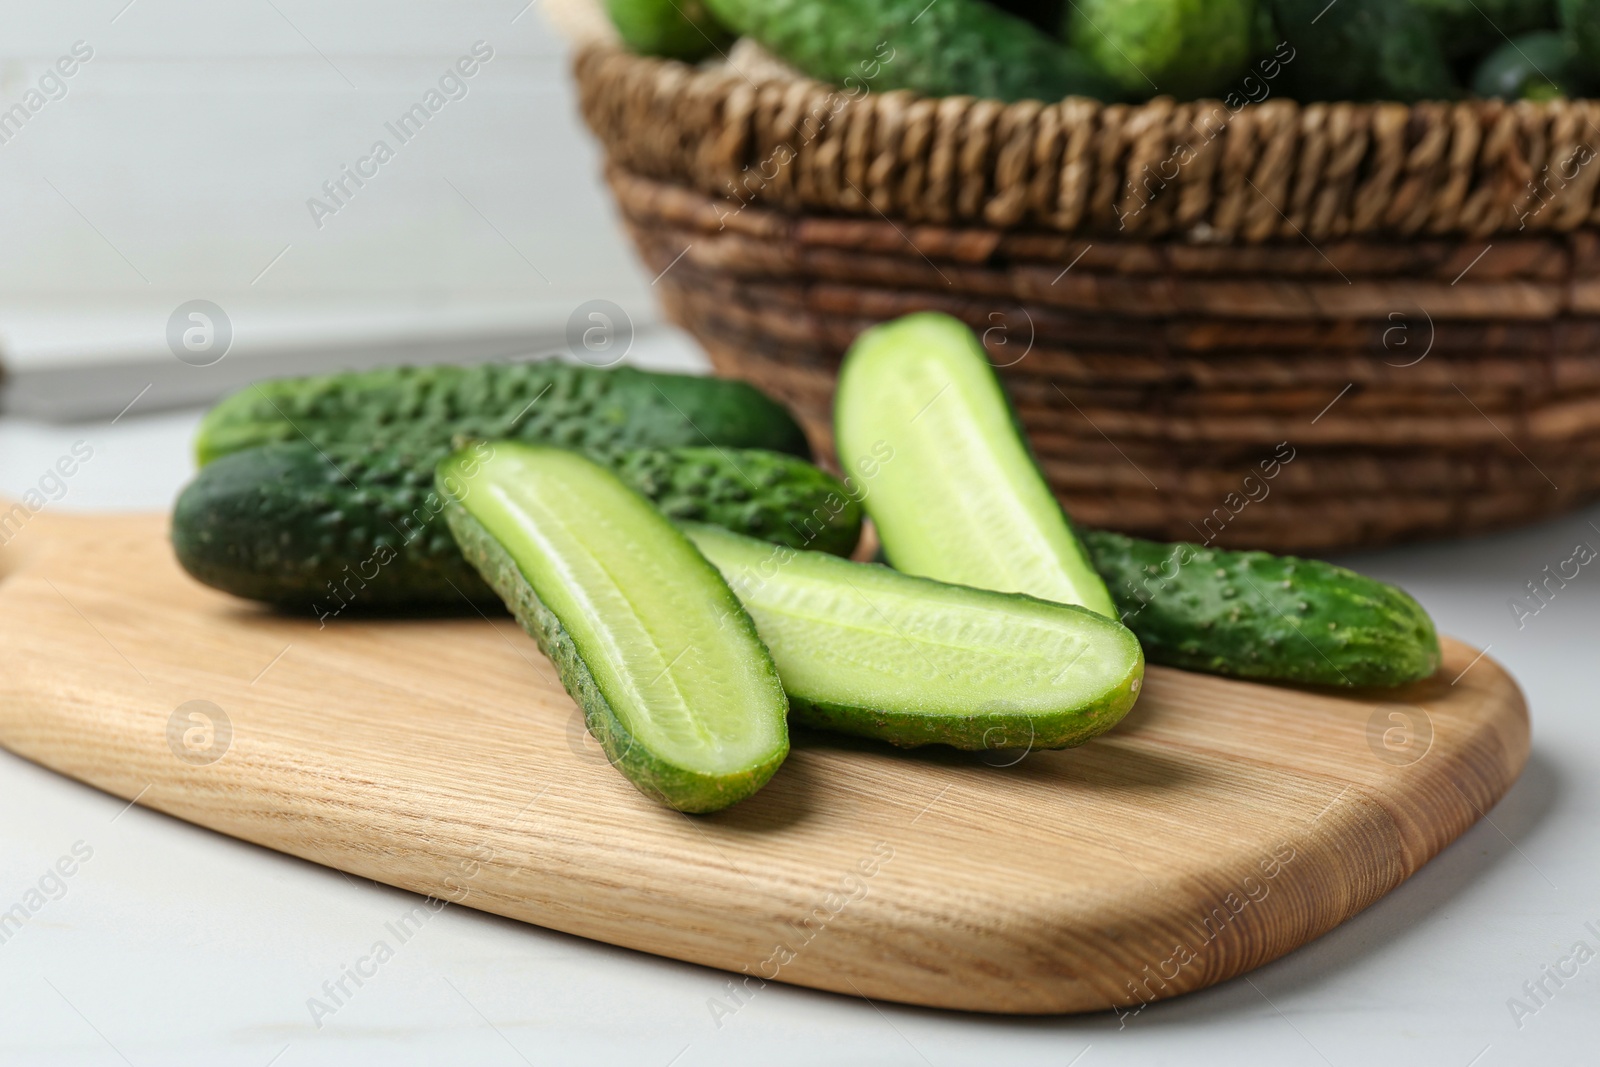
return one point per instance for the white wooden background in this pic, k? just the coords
(178, 165)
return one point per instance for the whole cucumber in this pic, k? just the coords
(1469, 28)
(544, 402)
(675, 29)
(1363, 50)
(1535, 66)
(1581, 19)
(1045, 14)
(319, 530)
(1185, 48)
(1256, 615)
(944, 48)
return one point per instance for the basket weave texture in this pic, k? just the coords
(1279, 326)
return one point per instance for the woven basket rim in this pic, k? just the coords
(1201, 170)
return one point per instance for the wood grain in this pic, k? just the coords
(1222, 825)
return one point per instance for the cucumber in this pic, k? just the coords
(961, 500)
(1363, 50)
(946, 48)
(1184, 48)
(676, 29)
(1043, 14)
(956, 497)
(1256, 615)
(545, 403)
(767, 495)
(1581, 20)
(1535, 66)
(1471, 28)
(869, 651)
(646, 635)
(307, 528)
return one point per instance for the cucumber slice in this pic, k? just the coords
(866, 650)
(647, 637)
(960, 499)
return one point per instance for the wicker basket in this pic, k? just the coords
(1289, 327)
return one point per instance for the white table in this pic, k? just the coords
(175, 945)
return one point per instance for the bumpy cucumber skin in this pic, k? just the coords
(995, 729)
(1469, 28)
(1260, 616)
(660, 780)
(949, 48)
(1581, 19)
(1535, 66)
(767, 496)
(1045, 14)
(1187, 48)
(675, 29)
(306, 528)
(547, 402)
(1362, 50)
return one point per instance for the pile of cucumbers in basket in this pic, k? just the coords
(1132, 50)
(667, 543)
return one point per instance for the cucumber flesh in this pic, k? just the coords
(646, 635)
(870, 651)
(961, 500)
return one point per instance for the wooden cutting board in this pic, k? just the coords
(1220, 826)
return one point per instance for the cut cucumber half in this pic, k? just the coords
(959, 498)
(645, 633)
(866, 650)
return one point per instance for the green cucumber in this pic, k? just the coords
(1256, 615)
(675, 29)
(647, 637)
(545, 402)
(766, 495)
(1185, 48)
(1535, 66)
(1581, 19)
(870, 651)
(946, 48)
(1473, 28)
(323, 529)
(1363, 50)
(1044, 14)
(961, 500)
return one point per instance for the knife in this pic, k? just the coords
(111, 388)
